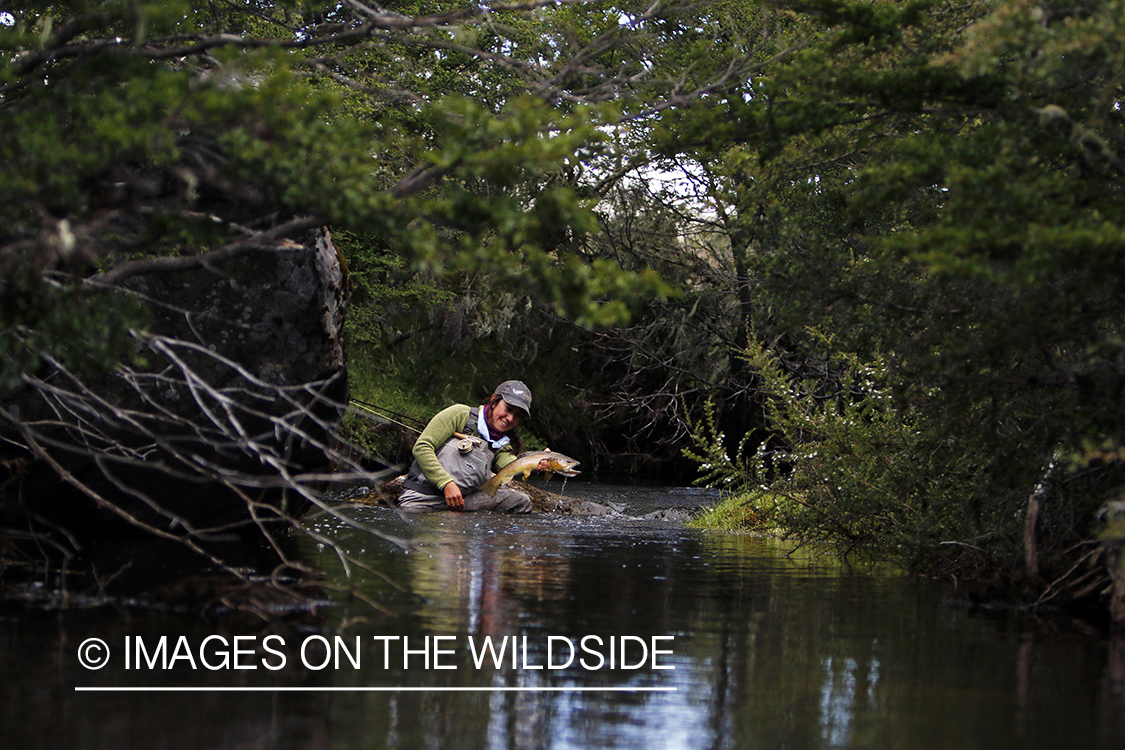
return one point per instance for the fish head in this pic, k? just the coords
(560, 464)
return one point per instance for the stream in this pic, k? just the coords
(561, 631)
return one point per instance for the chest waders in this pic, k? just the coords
(469, 461)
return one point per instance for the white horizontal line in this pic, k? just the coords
(374, 689)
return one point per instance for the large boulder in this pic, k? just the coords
(232, 404)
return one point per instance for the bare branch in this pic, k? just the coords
(269, 239)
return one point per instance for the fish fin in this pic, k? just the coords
(527, 473)
(549, 475)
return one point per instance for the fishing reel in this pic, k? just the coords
(468, 442)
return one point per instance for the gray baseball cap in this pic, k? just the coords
(516, 394)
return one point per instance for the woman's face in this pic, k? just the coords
(503, 418)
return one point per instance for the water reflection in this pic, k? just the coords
(848, 688)
(772, 647)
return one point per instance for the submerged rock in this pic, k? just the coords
(541, 500)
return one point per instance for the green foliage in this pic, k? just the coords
(458, 354)
(167, 129)
(388, 298)
(82, 331)
(942, 191)
(939, 186)
(845, 463)
(738, 513)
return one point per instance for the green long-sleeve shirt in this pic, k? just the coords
(440, 428)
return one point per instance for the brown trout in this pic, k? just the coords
(526, 463)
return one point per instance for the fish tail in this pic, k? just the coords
(492, 485)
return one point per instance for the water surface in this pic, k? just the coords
(762, 645)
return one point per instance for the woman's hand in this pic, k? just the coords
(543, 464)
(453, 496)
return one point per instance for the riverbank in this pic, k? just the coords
(1080, 584)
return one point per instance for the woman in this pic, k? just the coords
(457, 451)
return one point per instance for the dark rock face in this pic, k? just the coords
(278, 312)
(242, 387)
(1112, 518)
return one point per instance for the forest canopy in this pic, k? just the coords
(862, 259)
